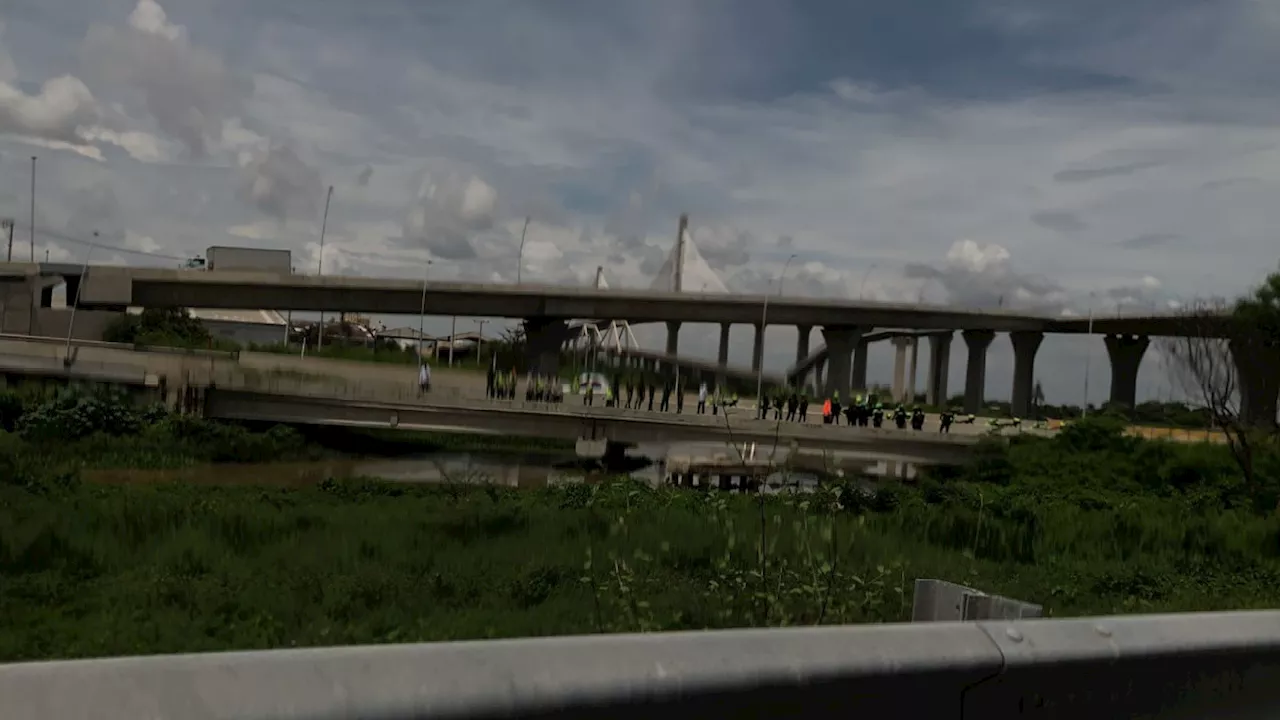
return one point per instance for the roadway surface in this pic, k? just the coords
(113, 286)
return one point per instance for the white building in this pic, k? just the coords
(247, 327)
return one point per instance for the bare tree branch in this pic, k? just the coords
(1206, 358)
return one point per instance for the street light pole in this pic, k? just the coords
(520, 257)
(764, 319)
(75, 302)
(863, 284)
(8, 224)
(324, 224)
(33, 209)
(422, 308)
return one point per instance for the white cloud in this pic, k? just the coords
(927, 175)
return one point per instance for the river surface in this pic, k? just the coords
(511, 469)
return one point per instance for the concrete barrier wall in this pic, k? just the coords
(1202, 665)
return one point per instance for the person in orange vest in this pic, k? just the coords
(826, 411)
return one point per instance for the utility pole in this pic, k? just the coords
(453, 338)
(324, 223)
(479, 340)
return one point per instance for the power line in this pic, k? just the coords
(113, 248)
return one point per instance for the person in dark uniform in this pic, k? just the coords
(653, 387)
(792, 403)
(489, 383)
(804, 407)
(665, 405)
(616, 386)
(679, 390)
(947, 417)
(835, 409)
(631, 391)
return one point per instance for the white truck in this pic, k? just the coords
(242, 258)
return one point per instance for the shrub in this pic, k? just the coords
(74, 414)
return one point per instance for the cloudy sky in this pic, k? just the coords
(1048, 155)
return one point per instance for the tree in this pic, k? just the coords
(1220, 347)
(172, 327)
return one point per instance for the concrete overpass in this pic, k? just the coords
(546, 311)
(571, 422)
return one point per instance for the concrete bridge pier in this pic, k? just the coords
(1126, 353)
(543, 340)
(673, 338)
(819, 377)
(939, 369)
(1025, 345)
(914, 372)
(722, 358)
(802, 348)
(899, 389)
(975, 376)
(757, 348)
(1256, 365)
(615, 456)
(841, 342)
(859, 379)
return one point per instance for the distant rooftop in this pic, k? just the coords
(245, 317)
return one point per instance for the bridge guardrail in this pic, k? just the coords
(1219, 665)
(127, 347)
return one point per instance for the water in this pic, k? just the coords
(508, 469)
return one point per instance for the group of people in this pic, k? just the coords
(649, 392)
(640, 392)
(793, 406)
(499, 384)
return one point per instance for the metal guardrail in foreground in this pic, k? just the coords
(1221, 665)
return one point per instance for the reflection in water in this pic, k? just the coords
(513, 470)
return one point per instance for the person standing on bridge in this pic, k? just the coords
(804, 407)
(679, 389)
(631, 389)
(424, 378)
(702, 399)
(665, 405)
(653, 387)
(489, 378)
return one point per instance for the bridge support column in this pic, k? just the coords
(859, 379)
(722, 358)
(802, 346)
(1126, 353)
(914, 373)
(673, 338)
(975, 374)
(1025, 345)
(939, 369)
(757, 349)
(841, 341)
(819, 377)
(899, 389)
(543, 339)
(1256, 365)
(615, 456)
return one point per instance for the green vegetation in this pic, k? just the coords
(1089, 522)
(56, 431)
